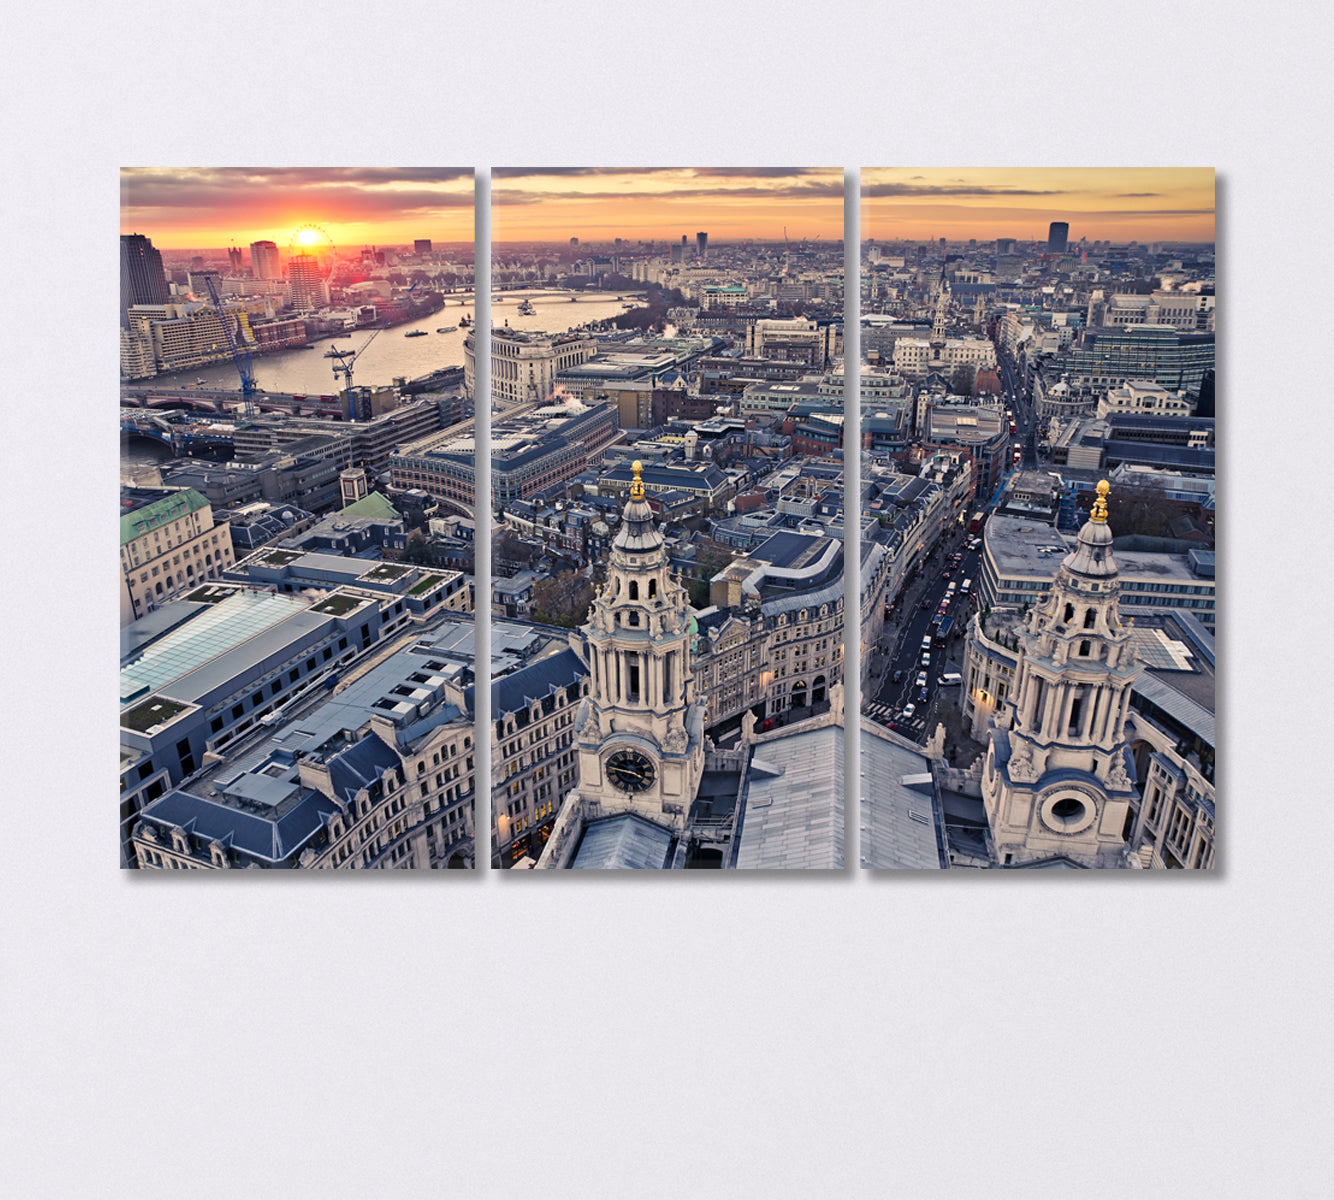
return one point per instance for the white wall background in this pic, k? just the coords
(833, 1036)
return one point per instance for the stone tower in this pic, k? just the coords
(640, 731)
(938, 323)
(1059, 780)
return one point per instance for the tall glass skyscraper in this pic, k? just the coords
(142, 280)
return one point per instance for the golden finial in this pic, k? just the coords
(1099, 512)
(637, 485)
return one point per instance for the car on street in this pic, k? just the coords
(898, 676)
(926, 659)
(908, 711)
(921, 679)
(923, 695)
(925, 603)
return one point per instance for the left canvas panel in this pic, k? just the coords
(297, 636)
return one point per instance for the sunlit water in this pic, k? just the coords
(389, 355)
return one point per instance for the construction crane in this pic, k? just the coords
(240, 352)
(343, 359)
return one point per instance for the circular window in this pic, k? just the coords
(1068, 813)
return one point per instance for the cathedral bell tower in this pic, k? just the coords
(640, 731)
(1059, 781)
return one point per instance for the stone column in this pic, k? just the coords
(1067, 704)
(1090, 703)
(1124, 710)
(1098, 731)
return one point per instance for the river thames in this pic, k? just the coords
(389, 355)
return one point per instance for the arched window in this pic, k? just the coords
(652, 588)
(1069, 613)
(1090, 615)
(634, 589)
(1083, 649)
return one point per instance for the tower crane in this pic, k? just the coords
(343, 359)
(240, 352)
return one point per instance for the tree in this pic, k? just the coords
(562, 600)
(710, 558)
(418, 550)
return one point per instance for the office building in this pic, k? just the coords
(169, 543)
(142, 280)
(264, 261)
(377, 775)
(304, 280)
(1058, 237)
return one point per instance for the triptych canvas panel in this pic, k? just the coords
(695, 427)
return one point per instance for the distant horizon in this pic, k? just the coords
(553, 204)
(1114, 204)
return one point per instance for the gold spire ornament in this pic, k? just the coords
(1099, 513)
(637, 485)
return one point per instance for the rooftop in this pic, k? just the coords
(238, 623)
(898, 815)
(793, 815)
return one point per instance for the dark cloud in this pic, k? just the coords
(880, 190)
(224, 195)
(761, 172)
(539, 172)
(312, 177)
(1135, 195)
(812, 190)
(512, 173)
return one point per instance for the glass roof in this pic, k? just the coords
(215, 630)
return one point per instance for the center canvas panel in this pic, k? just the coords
(667, 496)
(297, 651)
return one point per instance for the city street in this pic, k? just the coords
(901, 643)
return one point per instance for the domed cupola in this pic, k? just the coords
(1092, 558)
(639, 531)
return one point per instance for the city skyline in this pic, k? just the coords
(207, 207)
(1145, 204)
(557, 203)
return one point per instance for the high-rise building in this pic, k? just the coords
(234, 260)
(421, 246)
(1058, 237)
(303, 274)
(198, 283)
(702, 242)
(141, 277)
(574, 241)
(264, 261)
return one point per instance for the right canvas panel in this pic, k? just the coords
(1037, 432)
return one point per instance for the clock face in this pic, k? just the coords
(630, 771)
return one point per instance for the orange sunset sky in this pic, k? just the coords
(1120, 204)
(210, 207)
(595, 204)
